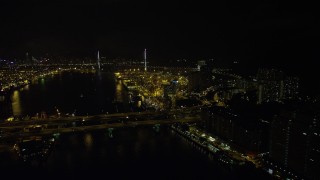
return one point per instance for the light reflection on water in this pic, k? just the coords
(16, 104)
(88, 140)
(70, 91)
(119, 96)
(132, 153)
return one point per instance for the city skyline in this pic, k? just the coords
(254, 34)
(252, 126)
(159, 89)
(258, 34)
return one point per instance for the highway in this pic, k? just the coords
(104, 117)
(22, 129)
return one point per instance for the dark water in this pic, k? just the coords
(132, 153)
(79, 93)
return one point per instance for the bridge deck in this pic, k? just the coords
(20, 133)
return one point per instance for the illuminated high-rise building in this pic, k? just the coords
(273, 85)
(27, 57)
(291, 86)
(145, 59)
(294, 141)
(98, 60)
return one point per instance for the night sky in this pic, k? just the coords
(257, 33)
